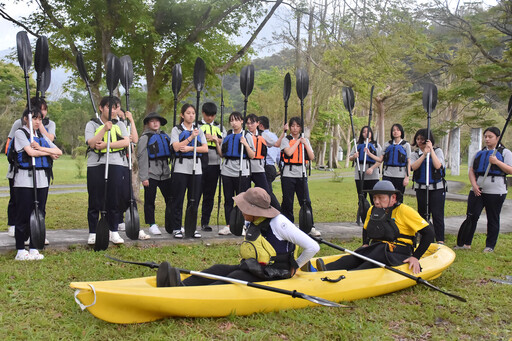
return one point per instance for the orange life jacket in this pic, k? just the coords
(261, 147)
(296, 158)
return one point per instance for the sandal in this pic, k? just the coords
(143, 235)
(178, 234)
(197, 234)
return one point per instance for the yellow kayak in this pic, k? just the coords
(139, 300)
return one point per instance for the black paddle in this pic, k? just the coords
(236, 219)
(287, 89)
(429, 104)
(176, 86)
(221, 132)
(40, 62)
(294, 293)
(191, 213)
(348, 102)
(465, 228)
(102, 230)
(83, 74)
(382, 265)
(37, 223)
(364, 205)
(305, 214)
(46, 79)
(132, 221)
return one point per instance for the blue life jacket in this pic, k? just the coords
(371, 148)
(482, 161)
(395, 155)
(435, 175)
(231, 146)
(158, 146)
(185, 134)
(23, 161)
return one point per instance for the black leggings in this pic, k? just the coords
(435, 207)
(231, 271)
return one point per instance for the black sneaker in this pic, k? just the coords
(206, 228)
(320, 265)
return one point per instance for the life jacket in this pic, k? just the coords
(212, 129)
(261, 147)
(158, 145)
(381, 227)
(482, 161)
(231, 146)
(185, 134)
(22, 160)
(261, 244)
(395, 155)
(360, 150)
(296, 158)
(115, 135)
(435, 175)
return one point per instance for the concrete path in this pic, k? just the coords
(63, 239)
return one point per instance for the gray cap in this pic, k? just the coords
(383, 187)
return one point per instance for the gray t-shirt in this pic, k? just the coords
(151, 169)
(186, 165)
(494, 185)
(23, 177)
(417, 154)
(376, 172)
(292, 171)
(94, 159)
(396, 172)
(230, 167)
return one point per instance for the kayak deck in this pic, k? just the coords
(139, 300)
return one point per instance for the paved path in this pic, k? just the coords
(63, 239)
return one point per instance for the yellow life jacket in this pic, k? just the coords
(115, 135)
(212, 129)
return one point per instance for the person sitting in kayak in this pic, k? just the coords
(268, 249)
(388, 234)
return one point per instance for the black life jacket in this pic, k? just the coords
(381, 227)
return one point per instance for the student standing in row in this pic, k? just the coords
(153, 155)
(371, 169)
(47, 128)
(44, 152)
(230, 168)
(182, 141)
(96, 132)
(490, 193)
(211, 168)
(396, 156)
(292, 174)
(436, 189)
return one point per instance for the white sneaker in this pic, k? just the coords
(10, 231)
(35, 254)
(225, 231)
(92, 239)
(153, 229)
(243, 231)
(314, 232)
(121, 227)
(116, 238)
(23, 255)
(143, 235)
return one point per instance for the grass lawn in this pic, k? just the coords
(37, 303)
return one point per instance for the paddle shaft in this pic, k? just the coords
(382, 265)
(221, 132)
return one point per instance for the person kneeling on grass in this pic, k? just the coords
(268, 250)
(388, 234)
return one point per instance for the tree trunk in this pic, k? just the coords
(380, 128)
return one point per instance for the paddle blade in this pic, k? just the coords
(429, 97)
(41, 55)
(113, 70)
(247, 80)
(102, 234)
(322, 301)
(46, 78)
(302, 83)
(132, 222)
(348, 98)
(236, 221)
(464, 229)
(176, 79)
(190, 220)
(199, 74)
(287, 89)
(37, 229)
(126, 72)
(81, 67)
(305, 219)
(24, 51)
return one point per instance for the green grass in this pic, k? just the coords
(37, 303)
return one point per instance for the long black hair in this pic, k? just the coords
(399, 126)
(423, 133)
(362, 139)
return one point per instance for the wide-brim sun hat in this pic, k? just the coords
(383, 187)
(153, 114)
(256, 202)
